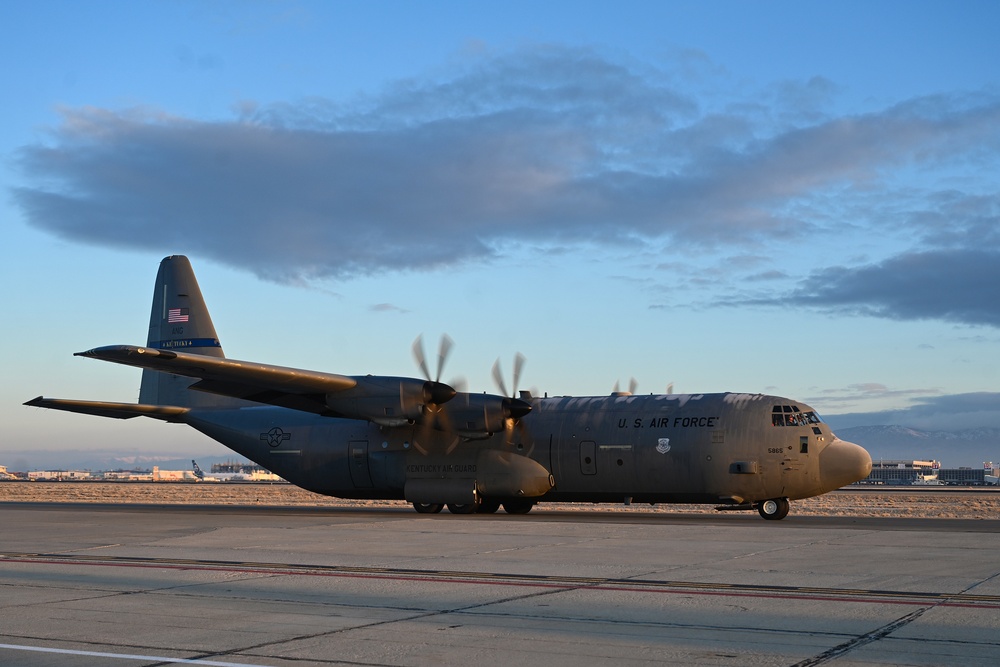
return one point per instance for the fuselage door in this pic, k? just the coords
(588, 457)
(358, 463)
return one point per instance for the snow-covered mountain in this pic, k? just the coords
(954, 449)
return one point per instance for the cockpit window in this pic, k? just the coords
(790, 415)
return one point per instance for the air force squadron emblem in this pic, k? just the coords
(275, 436)
(663, 445)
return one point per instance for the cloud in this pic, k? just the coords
(868, 391)
(950, 412)
(388, 308)
(544, 145)
(951, 285)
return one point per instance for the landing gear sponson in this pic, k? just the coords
(485, 506)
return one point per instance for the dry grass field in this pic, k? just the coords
(921, 503)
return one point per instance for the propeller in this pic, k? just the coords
(632, 386)
(435, 391)
(514, 408)
(498, 374)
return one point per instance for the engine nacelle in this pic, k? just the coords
(388, 401)
(479, 415)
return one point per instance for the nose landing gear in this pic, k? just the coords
(773, 509)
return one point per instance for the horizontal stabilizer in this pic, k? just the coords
(168, 413)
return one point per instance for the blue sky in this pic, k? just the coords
(783, 197)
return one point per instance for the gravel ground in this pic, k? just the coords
(922, 503)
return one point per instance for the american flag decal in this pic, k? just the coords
(177, 315)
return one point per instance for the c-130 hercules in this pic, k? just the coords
(421, 440)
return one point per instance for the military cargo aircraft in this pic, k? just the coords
(421, 440)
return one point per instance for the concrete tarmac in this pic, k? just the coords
(86, 585)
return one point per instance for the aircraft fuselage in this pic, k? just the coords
(703, 448)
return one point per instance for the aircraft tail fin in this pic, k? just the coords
(179, 321)
(198, 472)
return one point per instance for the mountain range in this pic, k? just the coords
(954, 449)
(81, 459)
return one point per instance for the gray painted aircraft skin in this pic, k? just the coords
(422, 441)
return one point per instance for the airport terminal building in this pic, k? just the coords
(929, 473)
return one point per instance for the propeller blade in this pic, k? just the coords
(518, 367)
(435, 391)
(498, 378)
(443, 351)
(418, 356)
(632, 386)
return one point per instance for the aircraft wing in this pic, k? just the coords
(262, 383)
(387, 400)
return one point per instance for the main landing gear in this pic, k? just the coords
(428, 508)
(773, 509)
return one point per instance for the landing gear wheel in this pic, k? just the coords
(428, 508)
(774, 509)
(488, 507)
(518, 506)
(463, 508)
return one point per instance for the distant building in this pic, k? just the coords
(242, 472)
(920, 473)
(128, 475)
(173, 475)
(4, 474)
(963, 476)
(59, 475)
(234, 467)
(902, 472)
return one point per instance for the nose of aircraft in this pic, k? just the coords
(843, 463)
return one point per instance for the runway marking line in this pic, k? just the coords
(912, 598)
(128, 656)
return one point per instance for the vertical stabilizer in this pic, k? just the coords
(179, 321)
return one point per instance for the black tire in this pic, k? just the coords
(774, 509)
(518, 506)
(428, 508)
(463, 508)
(488, 507)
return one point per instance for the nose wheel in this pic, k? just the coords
(773, 509)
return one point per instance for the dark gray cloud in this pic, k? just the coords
(543, 146)
(935, 413)
(953, 285)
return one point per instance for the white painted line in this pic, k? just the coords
(127, 656)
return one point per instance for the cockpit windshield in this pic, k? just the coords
(790, 415)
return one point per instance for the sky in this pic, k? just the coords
(793, 198)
